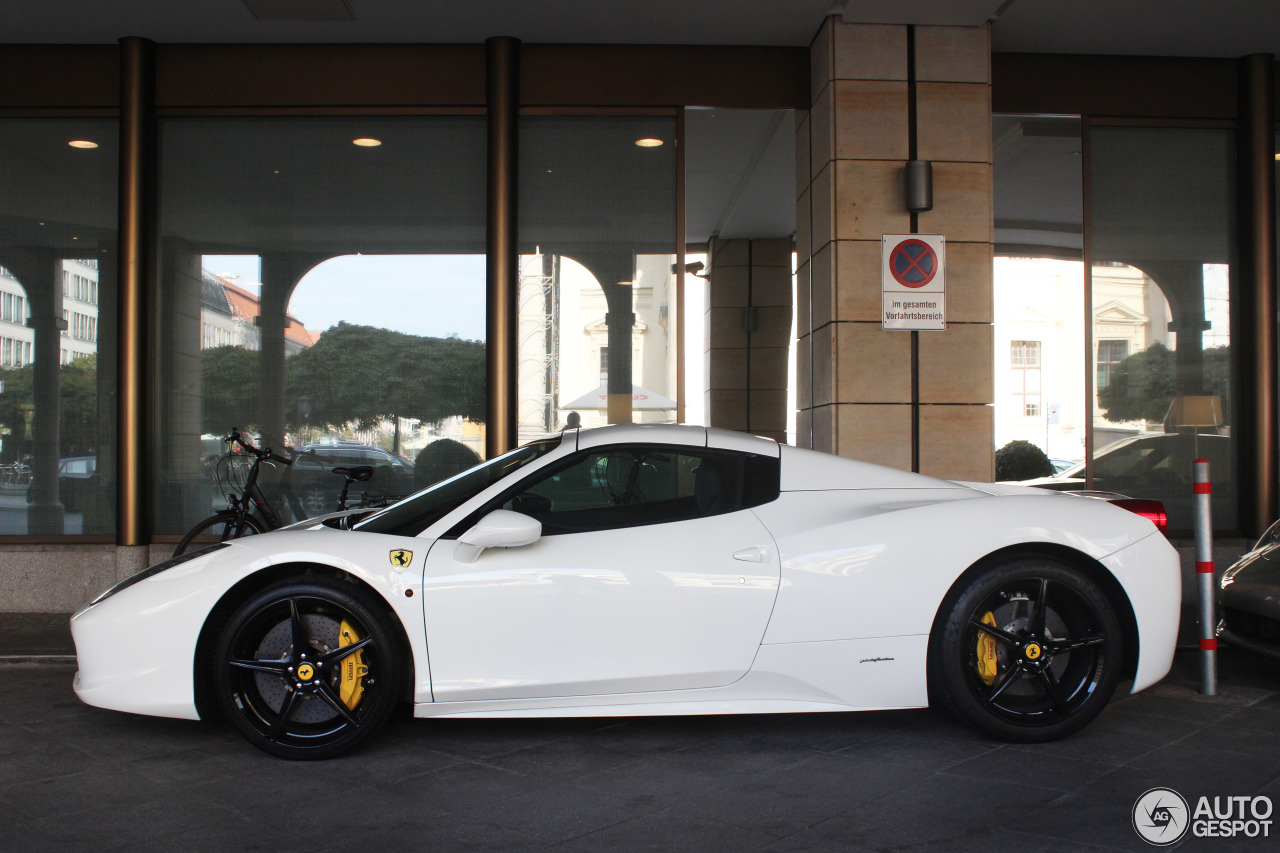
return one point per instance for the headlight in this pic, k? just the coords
(157, 569)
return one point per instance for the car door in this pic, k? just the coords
(651, 574)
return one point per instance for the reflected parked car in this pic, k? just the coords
(1250, 598)
(314, 488)
(1060, 465)
(1157, 467)
(77, 482)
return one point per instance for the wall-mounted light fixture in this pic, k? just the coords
(919, 185)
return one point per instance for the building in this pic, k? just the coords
(229, 318)
(1104, 180)
(79, 314)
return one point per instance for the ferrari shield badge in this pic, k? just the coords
(401, 558)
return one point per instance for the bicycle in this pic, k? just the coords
(248, 511)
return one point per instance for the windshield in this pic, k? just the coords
(418, 512)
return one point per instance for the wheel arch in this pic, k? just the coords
(247, 587)
(1090, 567)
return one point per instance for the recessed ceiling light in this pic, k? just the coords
(366, 142)
(648, 142)
(82, 143)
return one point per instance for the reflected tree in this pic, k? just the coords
(228, 396)
(367, 375)
(78, 406)
(1142, 385)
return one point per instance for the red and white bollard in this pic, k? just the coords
(1203, 515)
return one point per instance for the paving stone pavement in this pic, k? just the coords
(79, 778)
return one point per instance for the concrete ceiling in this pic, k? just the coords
(1222, 28)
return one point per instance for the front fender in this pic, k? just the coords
(136, 649)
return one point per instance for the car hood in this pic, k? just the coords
(326, 519)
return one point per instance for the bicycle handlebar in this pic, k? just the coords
(261, 453)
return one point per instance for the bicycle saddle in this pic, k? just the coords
(356, 473)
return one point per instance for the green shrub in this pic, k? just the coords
(440, 459)
(1022, 460)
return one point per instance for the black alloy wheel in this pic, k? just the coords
(307, 668)
(1028, 651)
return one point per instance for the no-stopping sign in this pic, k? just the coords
(913, 281)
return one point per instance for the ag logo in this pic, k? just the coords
(1033, 651)
(305, 672)
(1161, 817)
(401, 558)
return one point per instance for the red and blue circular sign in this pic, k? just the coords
(913, 263)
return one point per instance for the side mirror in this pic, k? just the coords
(501, 528)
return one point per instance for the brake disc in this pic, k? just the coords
(277, 644)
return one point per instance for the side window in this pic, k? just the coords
(630, 486)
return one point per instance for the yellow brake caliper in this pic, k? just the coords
(354, 669)
(986, 650)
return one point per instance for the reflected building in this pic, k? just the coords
(1040, 358)
(79, 315)
(229, 318)
(564, 353)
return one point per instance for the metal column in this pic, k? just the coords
(136, 286)
(502, 274)
(1256, 323)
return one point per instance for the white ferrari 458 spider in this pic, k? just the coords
(645, 570)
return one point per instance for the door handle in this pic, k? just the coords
(756, 554)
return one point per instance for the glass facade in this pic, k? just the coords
(597, 222)
(1159, 227)
(1039, 288)
(1162, 217)
(58, 220)
(322, 288)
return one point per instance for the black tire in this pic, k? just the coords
(222, 526)
(1045, 669)
(319, 702)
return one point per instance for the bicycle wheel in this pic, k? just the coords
(222, 527)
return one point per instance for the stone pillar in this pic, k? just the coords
(45, 296)
(749, 332)
(281, 272)
(185, 492)
(884, 94)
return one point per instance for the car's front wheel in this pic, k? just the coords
(1027, 651)
(307, 668)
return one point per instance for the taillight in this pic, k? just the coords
(1151, 510)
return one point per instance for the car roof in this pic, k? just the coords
(689, 435)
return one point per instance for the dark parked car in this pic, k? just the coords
(1250, 598)
(314, 488)
(1157, 467)
(77, 482)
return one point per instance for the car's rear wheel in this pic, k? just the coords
(1027, 651)
(307, 668)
